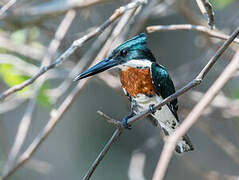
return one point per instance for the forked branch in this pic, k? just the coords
(206, 9)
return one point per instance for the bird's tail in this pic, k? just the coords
(183, 145)
(167, 119)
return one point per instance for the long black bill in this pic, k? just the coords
(100, 67)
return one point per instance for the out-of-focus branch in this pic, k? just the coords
(40, 166)
(206, 9)
(215, 113)
(57, 114)
(13, 103)
(27, 118)
(76, 44)
(20, 64)
(28, 68)
(190, 27)
(9, 4)
(55, 93)
(193, 116)
(205, 173)
(228, 107)
(54, 7)
(136, 166)
(229, 148)
(22, 49)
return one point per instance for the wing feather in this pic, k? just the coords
(164, 86)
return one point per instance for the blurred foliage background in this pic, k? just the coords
(26, 30)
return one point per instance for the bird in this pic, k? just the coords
(145, 83)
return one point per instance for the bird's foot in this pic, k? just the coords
(125, 121)
(151, 108)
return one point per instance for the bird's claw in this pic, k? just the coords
(125, 123)
(151, 108)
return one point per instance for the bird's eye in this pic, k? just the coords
(123, 53)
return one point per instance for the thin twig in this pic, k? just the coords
(193, 117)
(75, 45)
(178, 27)
(27, 118)
(179, 92)
(206, 9)
(110, 120)
(103, 152)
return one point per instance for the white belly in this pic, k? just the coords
(165, 117)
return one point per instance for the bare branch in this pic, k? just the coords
(27, 118)
(76, 44)
(190, 27)
(193, 116)
(206, 9)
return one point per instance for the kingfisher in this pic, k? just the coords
(146, 83)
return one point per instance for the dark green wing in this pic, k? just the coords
(164, 85)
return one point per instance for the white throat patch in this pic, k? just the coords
(136, 63)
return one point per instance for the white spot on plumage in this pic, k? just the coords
(136, 63)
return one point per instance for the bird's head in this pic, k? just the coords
(132, 53)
